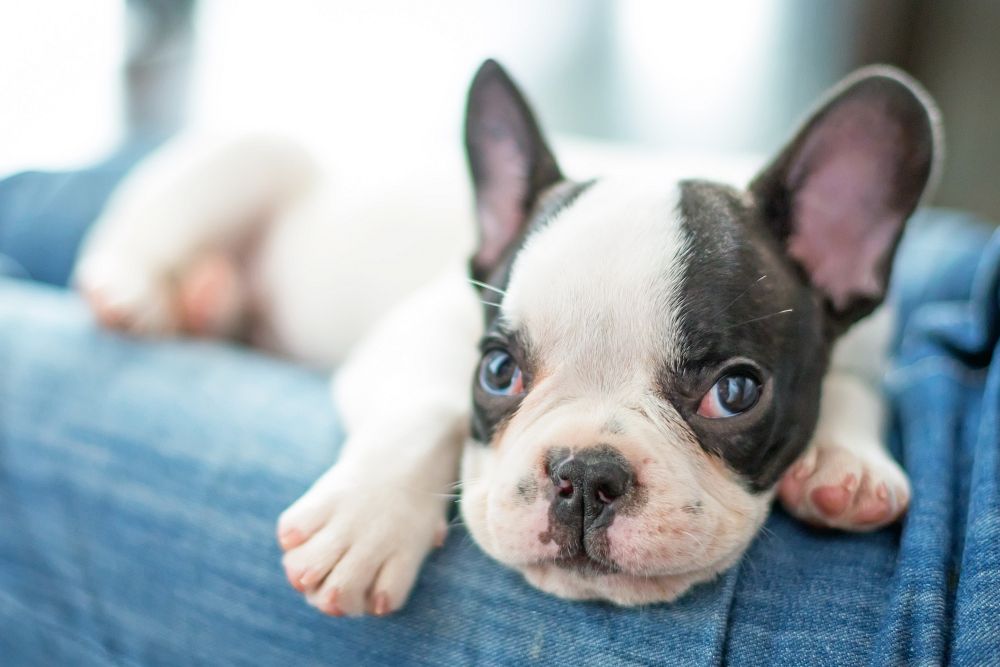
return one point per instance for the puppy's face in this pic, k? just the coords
(654, 350)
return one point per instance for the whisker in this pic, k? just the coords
(489, 287)
(741, 294)
(767, 533)
(762, 317)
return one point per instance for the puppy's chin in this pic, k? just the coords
(637, 571)
(585, 583)
(582, 579)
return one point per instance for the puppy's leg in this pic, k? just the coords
(847, 479)
(163, 256)
(355, 541)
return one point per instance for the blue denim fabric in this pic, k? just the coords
(140, 482)
(43, 215)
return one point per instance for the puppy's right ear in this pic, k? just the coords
(510, 163)
(840, 193)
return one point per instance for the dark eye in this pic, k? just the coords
(500, 375)
(733, 394)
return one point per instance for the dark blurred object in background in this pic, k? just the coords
(158, 57)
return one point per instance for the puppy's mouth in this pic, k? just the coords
(586, 564)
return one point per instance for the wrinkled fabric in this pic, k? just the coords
(140, 483)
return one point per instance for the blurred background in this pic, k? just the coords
(707, 77)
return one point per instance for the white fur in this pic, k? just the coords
(337, 250)
(627, 231)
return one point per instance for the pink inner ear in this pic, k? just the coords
(845, 210)
(501, 201)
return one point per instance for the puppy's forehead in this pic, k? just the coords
(603, 277)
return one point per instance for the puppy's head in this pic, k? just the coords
(654, 350)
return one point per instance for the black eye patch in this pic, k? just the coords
(741, 298)
(502, 379)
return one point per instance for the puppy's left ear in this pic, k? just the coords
(838, 196)
(510, 163)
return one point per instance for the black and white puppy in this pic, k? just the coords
(652, 360)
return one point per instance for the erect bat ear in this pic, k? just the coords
(839, 194)
(510, 163)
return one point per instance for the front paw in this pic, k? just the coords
(203, 298)
(353, 548)
(126, 294)
(856, 489)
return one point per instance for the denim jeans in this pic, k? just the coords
(140, 482)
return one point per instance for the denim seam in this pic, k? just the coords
(936, 315)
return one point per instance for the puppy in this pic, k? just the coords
(651, 360)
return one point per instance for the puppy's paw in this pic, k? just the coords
(856, 489)
(204, 298)
(353, 549)
(127, 295)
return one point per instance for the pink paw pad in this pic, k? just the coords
(206, 292)
(831, 500)
(834, 500)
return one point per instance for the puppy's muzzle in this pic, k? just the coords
(589, 484)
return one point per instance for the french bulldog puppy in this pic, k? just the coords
(651, 360)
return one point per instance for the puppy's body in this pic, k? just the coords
(606, 470)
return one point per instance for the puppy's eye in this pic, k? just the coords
(500, 375)
(733, 394)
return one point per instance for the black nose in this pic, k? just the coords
(588, 482)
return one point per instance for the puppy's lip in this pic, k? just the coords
(582, 562)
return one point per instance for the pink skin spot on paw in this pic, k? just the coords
(331, 607)
(295, 579)
(205, 290)
(381, 605)
(831, 500)
(875, 509)
(310, 578)
(289, 538)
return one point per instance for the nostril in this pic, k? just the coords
(609, 492)
(565, 488)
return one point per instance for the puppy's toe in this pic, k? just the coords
(126, 296)
(854, 489)
(307, 565)
(354, 550)
(306, 516)
(345, 590)
(397, 576)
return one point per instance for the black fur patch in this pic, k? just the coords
(736, 288)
